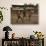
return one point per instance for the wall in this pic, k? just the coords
(23, 30)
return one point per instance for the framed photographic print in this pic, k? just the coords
(24, 14)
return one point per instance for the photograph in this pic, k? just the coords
(24, 14)
(22, 23)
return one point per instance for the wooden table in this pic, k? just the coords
(24, 41)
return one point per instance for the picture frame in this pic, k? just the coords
(24, 14)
